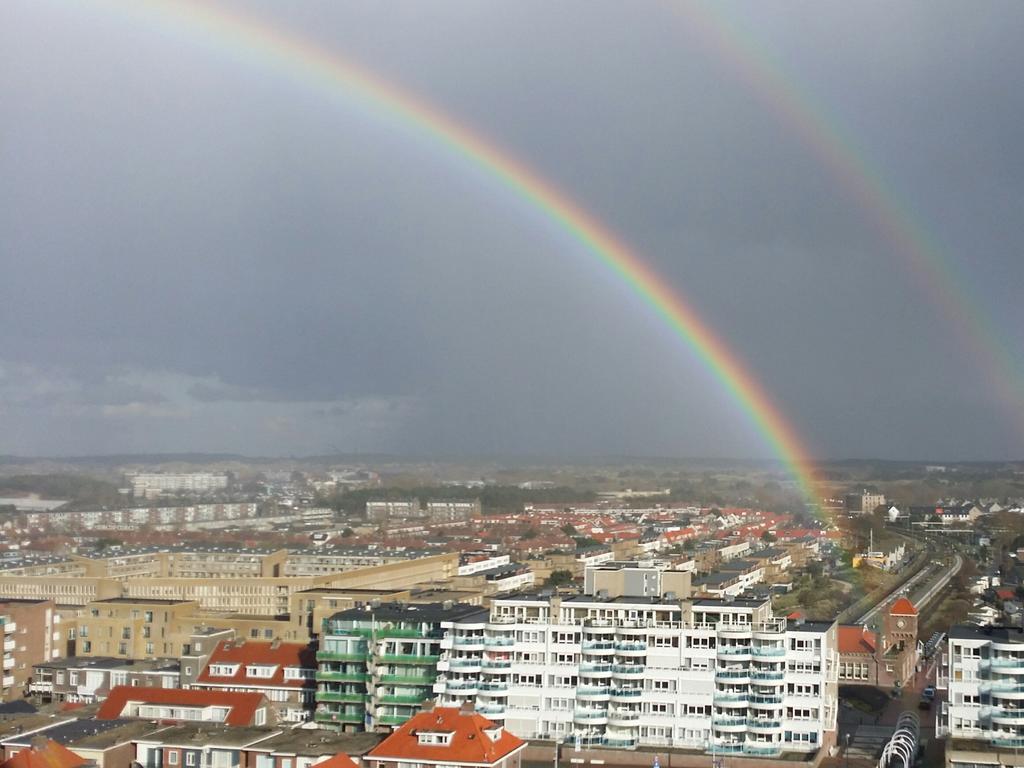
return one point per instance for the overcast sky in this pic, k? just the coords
(200, 252)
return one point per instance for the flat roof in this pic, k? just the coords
(142, 601)
(214, 734)
(301, 741)
(410, 613)
(109, 662)
(90, 733)
(998, 634)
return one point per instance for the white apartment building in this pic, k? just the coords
(149, 484)
(983, 715)
(722, 676)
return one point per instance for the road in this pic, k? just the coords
(921, 588)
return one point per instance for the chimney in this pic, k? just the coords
(427, 705)
(38, 743)
(275, 644)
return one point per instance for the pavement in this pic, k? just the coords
(869, 732)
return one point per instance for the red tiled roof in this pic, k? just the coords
(263, 654)
(52, 755)
(340, 760)
(1006, 593)
(854, 639)
(903, 607)
(243, 705)
(469, 743)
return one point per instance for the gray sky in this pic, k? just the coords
(201, 252)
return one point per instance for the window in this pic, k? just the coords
(172, 757)
(662, 685)
(122, 649)
(86, 646)
(431, 737)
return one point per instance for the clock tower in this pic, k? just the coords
(900, 624)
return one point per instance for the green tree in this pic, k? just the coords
(559, 578)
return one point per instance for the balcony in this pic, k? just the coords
(768, 651)
(474, 643)
(624, 718)
(491, 710)
(590, 716)
(324, 716)
(768, 677)
(595, 648)
(408, 659)
(731, 700)
(620, 743)
(396, 679)
(347, 656)
(729, 722)
(626, 694)
(494, 664)
(733, 630)
(496, 641)
(463, 687)
(727, 748)
(392, 719)
(342, 677)
(628, 671)
(400, 698)
(762, 750)
(763, 724)
(493, 686)
(631, 649)
(760, 700)
(1009, 716)
(595, 670)
(343, 698)
(1009, 742)
(733, 675)
(593, 692)
(735, 653)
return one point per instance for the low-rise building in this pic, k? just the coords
(285, 672)
(448, 736)
(227, 707)
(83, 680)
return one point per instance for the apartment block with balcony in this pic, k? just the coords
(377, 665)
(982, 672)
(722, 676)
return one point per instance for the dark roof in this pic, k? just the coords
(998, 634)
(417, 613)
(17, 707)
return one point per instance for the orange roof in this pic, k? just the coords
(470, 742)
(52, 755)
(243, 706)
(340, 760)
(853, 638)
(260, 654)
(903, 607)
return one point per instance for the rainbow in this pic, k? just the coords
(252, 39)
(925, 263)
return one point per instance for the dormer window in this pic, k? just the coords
(224, 670)
(494, 733)
(260, 670)
(434, 738)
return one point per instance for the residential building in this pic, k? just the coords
(30, 634)
(227, 707)
(721, 675)
(382, 510)
(636, 578)
(44, 752)
(452, 510)
(101, 743)
(983, 673)
(448, 736)
(154, 484)
(285, 672)
(85, 680)
(377, 665)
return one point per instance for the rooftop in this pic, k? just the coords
(201, 734)
(298, 741)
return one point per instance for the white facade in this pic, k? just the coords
(715, 675)
(157, 483)
(983, 673)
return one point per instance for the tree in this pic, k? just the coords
(559, 578)
(768, 537)
(530, 533)
(348, 532)
(569, 529)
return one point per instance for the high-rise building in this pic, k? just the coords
(982, 671)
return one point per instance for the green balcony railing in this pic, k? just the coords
(342, 677)
(408, 659)
(347, 656)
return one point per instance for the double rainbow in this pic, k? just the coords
(252, 39)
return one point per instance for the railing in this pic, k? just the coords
(757, 722)
(728, 721)
(408, 659)
(765, 699)
(767, 650)
(392, 719)
(731, 696)
(497, 640)
(620, 743)
(395, 698)
(494, 664)
(339, 717)
(465, 663)
(593, 690)
(627, 693)
(492, 686)
(344, 698)
(422, 680)
(1001, 741)
(591, 668)
(768, 676)
(342, 677)
(762, 751)
(590, 714)
(630, 646)
(732, 674)
(460, 642)
(628, 669)
(598, 645)
(332, 656)
(729, 650)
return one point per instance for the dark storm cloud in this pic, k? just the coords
(200, 253)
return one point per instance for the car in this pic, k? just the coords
(928, 692)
